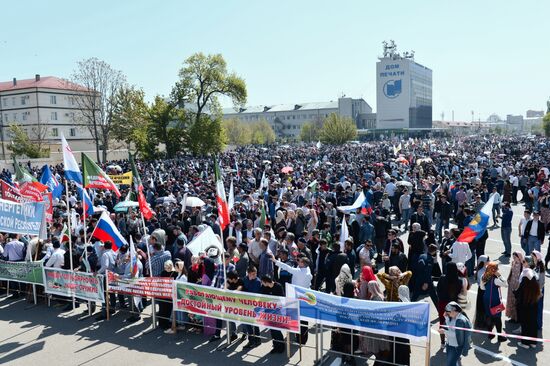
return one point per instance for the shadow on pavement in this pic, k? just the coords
(185, 346)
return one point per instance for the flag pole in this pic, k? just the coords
(69, 227)
(85, 241)
(153, 305)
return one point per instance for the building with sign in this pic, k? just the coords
(403, 92)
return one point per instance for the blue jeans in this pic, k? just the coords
(405, 217)
(506, 233)
(453, 356)
(532, 243)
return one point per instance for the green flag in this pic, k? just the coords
(94, 177)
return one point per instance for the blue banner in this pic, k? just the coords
(408, 320)
(21, 218)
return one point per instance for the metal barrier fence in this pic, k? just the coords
(390, 356)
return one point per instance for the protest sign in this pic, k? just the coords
(21, 218)
(119, 179)
(157, 287)
(403, 319)
(11, 193)
(260, 310)
(67, 283)
(27, 272)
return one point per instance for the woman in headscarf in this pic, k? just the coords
(448, 288)
(375, 293)
(372, 343)
(343, 339)
(513, 284)
(540, 271)
(393, 280)
(479, 317)
(280, 220)
(165, 306)
(528, 295)
(491, 282)
(367, 275)
(463, 275)
(402, 347)
(343, 277)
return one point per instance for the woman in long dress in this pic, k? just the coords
(513, 284)
(491, 282)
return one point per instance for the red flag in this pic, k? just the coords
(138, 186)
(223, 210)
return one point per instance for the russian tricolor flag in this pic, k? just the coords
(49, 180)
(366, 208)
(107, 230)
(87, 204)
(477, 227)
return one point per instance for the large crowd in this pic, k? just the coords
(286, 227)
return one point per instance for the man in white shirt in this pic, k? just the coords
(254, 249)
(460, 252)
(514, 180)
(57, 259)
(301, 275)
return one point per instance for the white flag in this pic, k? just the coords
(344, 233)
(318, 144)
(231, 198)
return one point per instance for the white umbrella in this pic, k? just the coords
(266, 162)
(166, 199)
(525, 157)
(404, 183)
(451, 154)
(193, 202)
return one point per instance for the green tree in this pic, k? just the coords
(21, 144)
(546, 124)
(237, 133)
(338, 130)
(203, 79)
(206, 136)
(129, 114)
(262, 133)
(310, 130)
(168, 124)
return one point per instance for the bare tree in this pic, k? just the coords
(95, 84)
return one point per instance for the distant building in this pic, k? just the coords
(45, 107)
(403, 92)
(514, 123)
(288, 119)
(533, 114)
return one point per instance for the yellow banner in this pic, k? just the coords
(125, 178)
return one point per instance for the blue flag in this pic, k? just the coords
(49, 180)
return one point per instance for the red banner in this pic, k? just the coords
(33, 190)
(157, 287)
(12, 194)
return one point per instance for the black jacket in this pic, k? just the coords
(541, 230)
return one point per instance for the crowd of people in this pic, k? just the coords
(286, 227)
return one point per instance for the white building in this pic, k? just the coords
(403, 92)
(45, 107)
(288, 119)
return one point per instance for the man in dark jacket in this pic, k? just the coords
(269, 287)
(423, 272)
(420, 217)
(534, 232)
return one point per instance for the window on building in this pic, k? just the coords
(54, 116)
(24, 100)
(15, 116)
(12, 100)
(5, 101)
(25, 116)
(6, 118)
(73, 132)
(55, 132)
(53, 99)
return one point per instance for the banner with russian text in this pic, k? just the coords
(21, 218)
(272, 312)
(157, 287)
(81, 285)
(119, 179)
(402, 319)
(27, 272)
(11, 193)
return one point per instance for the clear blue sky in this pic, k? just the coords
(486, 56)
